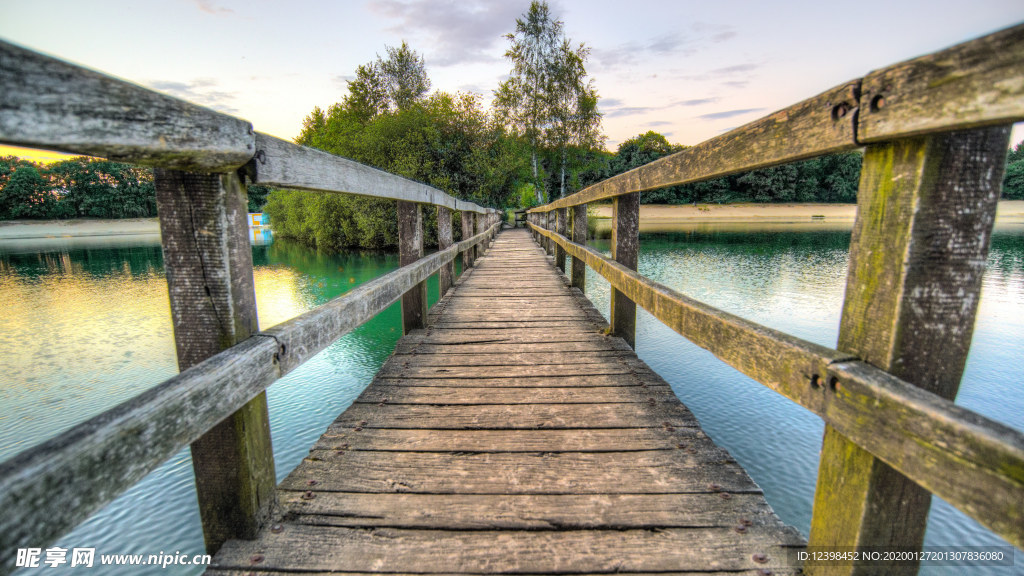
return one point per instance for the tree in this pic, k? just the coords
(575, 120)
(1013, 180)
(523, 101)
(26, 194)
(405, 75)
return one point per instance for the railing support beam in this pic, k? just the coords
(625, 251)
(925, 212)
(208, 263)
(579, 236)
(560, 226)
(481, 227)
(410, 249)
(446, 275)
(467, 232)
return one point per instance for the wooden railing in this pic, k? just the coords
(935, 131)
(217, 404)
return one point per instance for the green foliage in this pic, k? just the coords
(1013, 181)
(444, 140)
(257, 197)
(830, 178)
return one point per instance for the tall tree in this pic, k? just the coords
(575, 120)
(522, 102)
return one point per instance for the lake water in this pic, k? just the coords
(86, 325)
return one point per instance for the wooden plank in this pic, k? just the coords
(653, 472)
(436, 395)
(518, 416)
(549, 552)
(288, 165)
(410, 249)
(800, 371)
(759, 572)
(820, 125)
(521, 381)
(340, 437)
(512, 360)
(625, 251)
(976, 83)
(529, 511)
(49, 103)
(500, 347)
(926, 208)
(446, 276)
(501, 371)
(208, 264)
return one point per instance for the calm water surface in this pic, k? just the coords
(89, 323)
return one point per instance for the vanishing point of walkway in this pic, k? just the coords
(513, 436)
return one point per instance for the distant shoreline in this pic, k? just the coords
(28, 229)
(1008, 211)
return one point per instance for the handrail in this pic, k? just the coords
(927, 438)
(48, 103)
(83, 469)
(973, 84)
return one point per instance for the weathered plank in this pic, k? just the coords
(932, 202)
(579, 236)
(544, 551)
(510, 359)
(653, 472)
(483, 346)
(529, 511)
(522, 381)
(288, 165)
(555, 370)
(819, 125)
(341, 437)
(977, 83)
(208, 264)
(49, 103)
(446, 277)
(434, 395)
(518, 416)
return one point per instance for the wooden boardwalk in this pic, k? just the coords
(513, 436)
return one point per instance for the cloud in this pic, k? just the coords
(728, 113)
(696, 102)
(458, 32)
(670, 44)
(657, 123)
(201, 91)
(209, 7)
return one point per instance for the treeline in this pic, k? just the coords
(830, 178)
(83, 187)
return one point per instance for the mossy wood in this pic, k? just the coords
(926, 207)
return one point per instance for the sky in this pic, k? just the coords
(685, 68)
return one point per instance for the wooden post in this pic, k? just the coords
(579, 236)
(208, 263)
(410, 249)
(444, 240)
(549, 225)
(467, 233)
(625, 249)
(560, 226)
(481, 227)
(924, 220)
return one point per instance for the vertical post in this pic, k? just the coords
(481, 227)
(925, 211)
(549, 225)
(410, 249)
(579, 236)
(444, 240)
(208, 263)
(467, 233)
(561, 215)
(625, 250)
